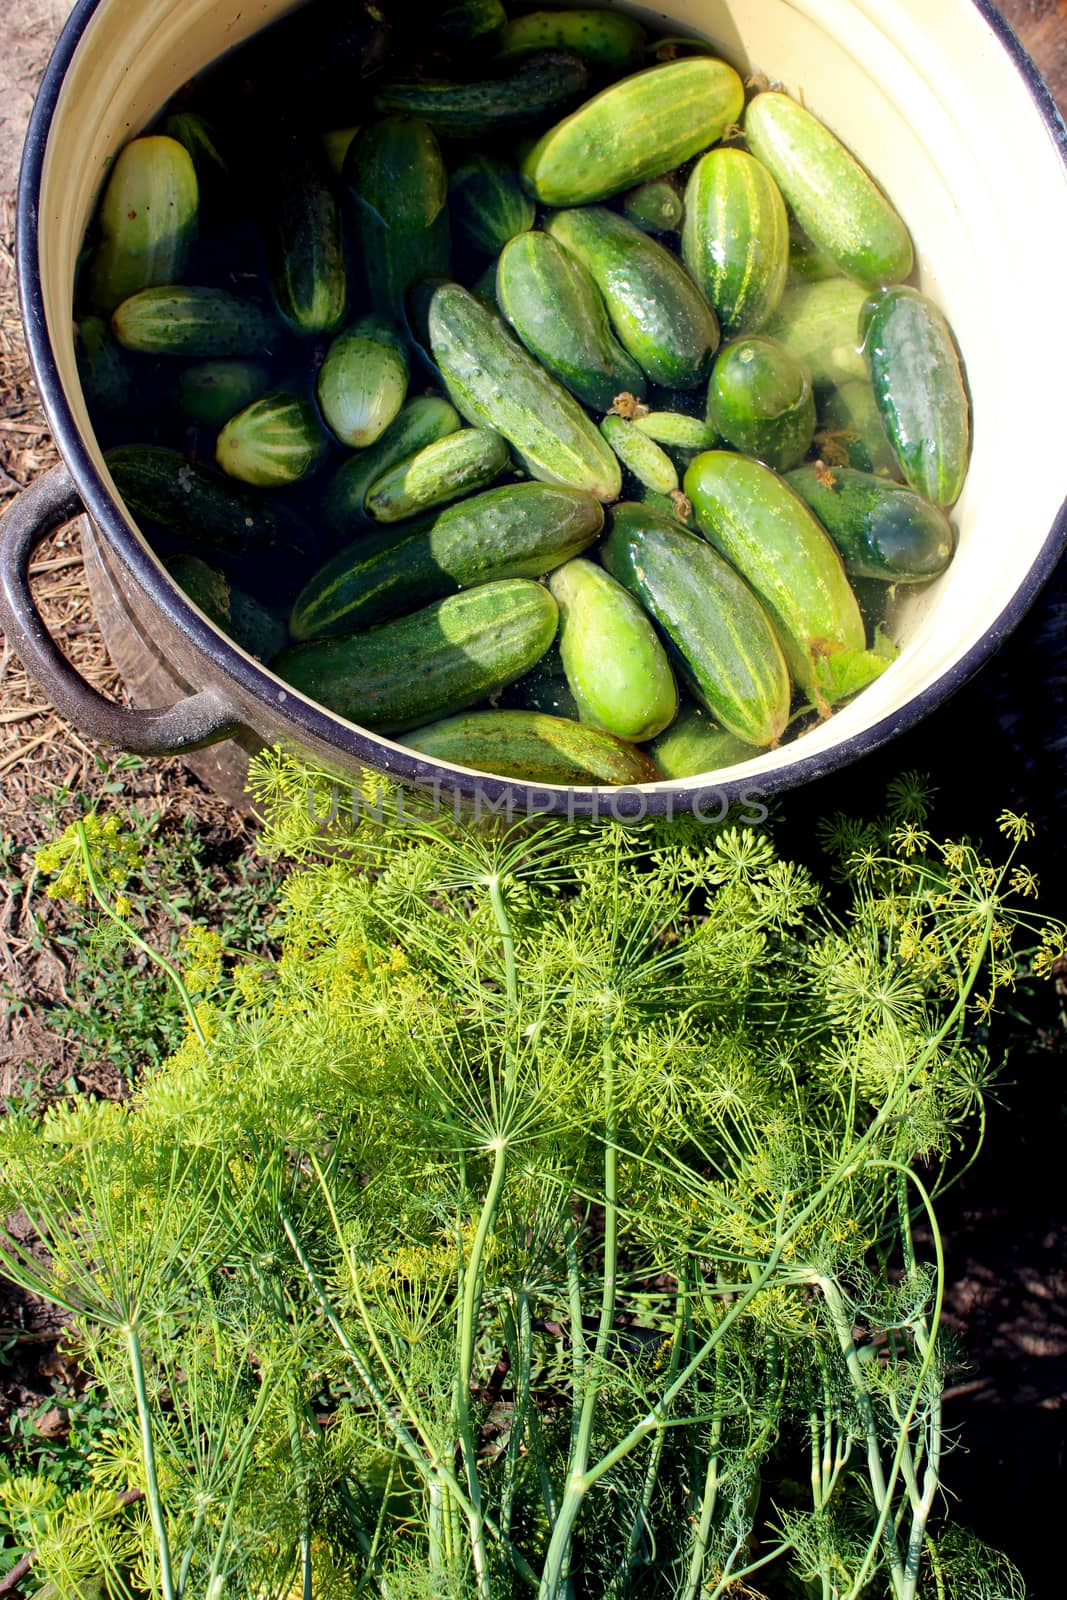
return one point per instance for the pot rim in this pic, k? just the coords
(366, 748)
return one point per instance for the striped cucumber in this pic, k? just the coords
(495, 383)
(640, 455)
(304, 248)
(447, 656)
(760, 400)
(276, 441)
(191, 503)
(455, 465)
(604, 39)
(694, 746)
(147, 222)
(199, 323)
(676, 430)
(488, 204)
(615, 665)
(538, 87)
(363, 383)
(421, 422)
(882, 529)
(465, 21)
(394, 169)
(533, 747)
(819, 324)
(735, 240)
(921, 393)
(713, 623)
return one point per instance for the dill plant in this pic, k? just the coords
(553, 1218)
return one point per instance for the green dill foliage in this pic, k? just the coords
(541, 1222)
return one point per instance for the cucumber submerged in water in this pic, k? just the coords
(533, 747)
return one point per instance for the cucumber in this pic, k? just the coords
(557, 311)
(362, 383)
(735, 240)
(520, 531)
(767, 532)
(441, 659)
(539, 86)
(533, 747)
(199, 323)
(467, 20)
(603, 38)
(336, 144)
(921, 393)
(248, 623)
(656, 206)
(189, 502)
(277, 440)
(304, 249)
(418, 424)
(836, 202)
(394, 169)
(147, 222)
(714, 625)
(660, 316)
(636, 129)
(615, 665)
(882, 529)
(851, 433)
(694, 746)
(494, 382)
(676, 430)
(393, 261)
(760, 400)
(819, 324)
(214, 391)
(640, 455)
(213, 176)
(107, 382)
(455, 465)
(488, 204)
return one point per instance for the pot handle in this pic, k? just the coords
(202, 719)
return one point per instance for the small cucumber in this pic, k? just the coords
(819, 324)
(440, 659)
(147, 221)
(636, 129)
(539, 86)
(640, 455)
(694, 746)
(676, 430)
(882, 529)
(851, 433)
(616, 667)
(394, 169)
(921, 393)
(419, 423)
(467, 20)
(189, 502)
(735, 240)
(214, 391)
(660, 316)
(240, 615)
(453, 466)
(715, 626)
(836, 202)
(392, 261)
(767, 532)
(656, 206)
(199, 323)
(557, 311)
(107, 382)
(304, 249)
(488, 203)
(362, 384)
(276, 441)
(760, 400)
(520, 531)
(494, 382)
(603, 38)
(534, 748)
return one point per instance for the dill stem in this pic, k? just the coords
(155, 1502)
(472, 1280)
(710, 1495)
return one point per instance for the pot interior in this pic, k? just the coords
(929, 100)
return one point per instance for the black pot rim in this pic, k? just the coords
(316, 724)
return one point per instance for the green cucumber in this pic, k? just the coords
(616, 667)
(304, 249)
(656, 206)
(199, 323)
(659, 315)
(676, 430)
(767, 532)
(819, 324)
(715, 626)
(276, 441)
(603, 38)
(394, 169)
(455, 465)
(520, 531)
(636, 129)
(538, 87)
(882, 529)
(393, 261)
(489, 205)
(495, 383)
(674, 506)
(467, 20)
(147, 222)
(107, 383)
(213, 175)
(760, 400)
(336, 144)
(419, 423)
(362, 384)
(836, 202)
(441, 659)
(694, 746)
(214, 391)
(240, 615)
(534, 748)
(921, 393)
(851, 433)
(161, 486)
(640, 455)
(735, 240)
(557, 311)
